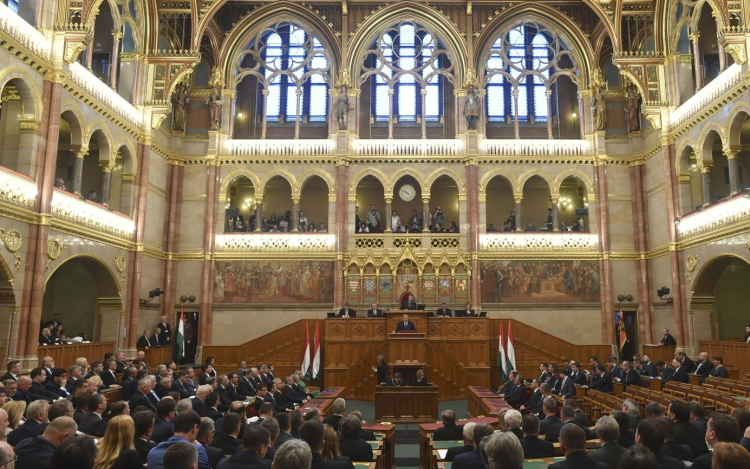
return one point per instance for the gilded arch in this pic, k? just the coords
(94, 262)
(734, 124)
(72, 114)
(30, 96)
(501, 173)
(576, 173)
(708, 275)
(236, 174)
(376, 173)
(307, 175)
(535, 172)
(282, 173)
(438, 173)
(406, 172)
(706, 142)
(130, 163)
(681, 168)
(671, 26)
(105, 146)
(447, 32)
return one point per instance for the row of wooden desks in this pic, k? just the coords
(484, 402)
(527, 463)
(426, 458)
(387, 433)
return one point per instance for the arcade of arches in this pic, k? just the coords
(553, 164)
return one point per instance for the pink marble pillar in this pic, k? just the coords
(640, 241)
(472, 196)
(608, 310)
(171, 238)
(342, 228)
(207, 270)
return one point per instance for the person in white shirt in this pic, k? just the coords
(395, 220)
(302, 221)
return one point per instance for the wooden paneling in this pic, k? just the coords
(156, 356)
(65, 355)
(734, 354)
(407, 348)
(657, 352)
(406, 404)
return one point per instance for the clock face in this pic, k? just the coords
(407, 193)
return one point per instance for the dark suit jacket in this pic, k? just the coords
(686, 433)
(449, 433)
(278, 406)
(54, 388)
(215, 455)
(677, 451)
(319, 463)
(108, 379)
(129, 386)
(666, 462)
(444, 312)
(128, 459)
(649, 369)
(92, 424)
(703, 368)
(9, 376)
(632, 378)
(166, 333)
(456, 450)
(333, 421)
(156, 341)
(121, 365)
(37, 392)
(667, 373)
(609, 453)
(224, 397)
(33, 453)
(535, 397)
(78, 416)
(688, 364)
(700, 424)
(199, 406)
(226, 443)
(244, 460)
(247, 387)
(139, 399)
(282, 438)
(668, 340)
(30, 429)
(470, 460)
(162, 430)
(177, 386)
(213, 414)
(534, 448)
(603, 383)
(516, 395)
(355, 449)
(567, 389)
(409, 305)
(580, 379)
(143, 447)
(349, 312)
(143, 342)
(544, 425)
(377, 314)
(409, 326)
(578, 460)
(680, 375)
(703, 462)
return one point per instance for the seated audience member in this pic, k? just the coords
(61, 408)
(253, 449)
(15, 410)
(721, 429)
(78, 451)
(140, 397)
(627, 436)
(698, 416)
(653, 411)
(228, 441)
(36, 451)
(185, 430)
(205, 437)
(686, 433)
(513, 422)
(638, 457)
(182, 456)
(350, 445)
(742, 416)
(117, 449)
(270, 424)
(501, 451)
(144, 426)
(109, 375)
(473, 459)
(93, 424)
(730, 456)
(581, 418)
(396, 380)
(719, 371)
(294, 454)
(610, 452)
(650, 435)
(468, 439)
(163, 426)
(36, 421)
(573, 446)
(45, 338)
(312, 432)
(420, 380)
(517, 394)
(14, 370)
(703, 367)
(630, 407)
(57, 385)
(549, 406)
(533, 447)
(449, 431)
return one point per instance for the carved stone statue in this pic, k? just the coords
(598, 109)
(631, 108)
(471, 108)
(342, 109)
(215, 101)
(180, 103)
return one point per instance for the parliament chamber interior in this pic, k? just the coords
(336, 234)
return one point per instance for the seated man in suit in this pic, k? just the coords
(703, 367)
(410, 303)
(680, 372)
(602, 381)
(405, 324)
(228, 441)
(144, 426)
(93, 424)
(517, 394)
(608, 431)
(533, 447)
(449, 431)
(573, 446)
(444, 311)
(668, 339)
(350, 445)
(631, 377)
(647, 366)
(536, 396)
(347, 312)
(473, 459)
(468, 438)
(36, 422)
(549, 406)
(144, 340)
(578, 376)
(374, 312)
(140, 396)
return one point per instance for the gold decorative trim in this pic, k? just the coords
(54, 250)
(13, 241)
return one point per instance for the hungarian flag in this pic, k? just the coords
(502, 359)
(511, 349)
(622, 335)
(316, 354)
(181, 337)
(306, 355)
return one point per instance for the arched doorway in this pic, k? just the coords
(690, 187)
(536, 201)
(444, 193)
(277, 203)
(370, 195)
(121, 182)
(715, 168)
(720, 291)
(407, 197)
(16, 109)
(240, 205)
(93, 163)
(314, 203)
(86, 294)
(573, 198)
(68, 145)
(500, 195)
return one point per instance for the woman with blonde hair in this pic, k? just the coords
(117, 450)
(15, 411)
(45, 338)
(97, 381)
(331, 449)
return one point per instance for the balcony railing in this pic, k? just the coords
(17, 190)
(409, 147)
(728, 79)
(412, 240)
(27, 35)
(722, 214)
(538, 241)
(70, 208)
(253, 242)
(299, 147)
(109, 97)
(536, 147)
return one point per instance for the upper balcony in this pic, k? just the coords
(275, 242)
(723, 215)
(539, 242)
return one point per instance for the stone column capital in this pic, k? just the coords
(730, 153)
(517, 199)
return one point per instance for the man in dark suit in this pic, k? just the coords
(647, 366)
(254, 449)
(610, 453)
(536, 396)
(631, 377)
(163, 426)
(36, 450)
(602, 381)
(555, 380)
(350, 445)
(143, 389)
(36, 422)
(271, 396)
(444, 311)
(155, 339)
(37, 391)
(567, 389)
(410, 303)
(687, 362)
(468, 439)
(721, 429)
(313, 433)
(228, 441)
(686, 433)
(651, 435)
(405, 324)
(347, 312)
(205, 437)
(144, 426)
(573, 446)
(48, 363)
(52, 323)
(108, 376)
(517, 393)
(339, 410)
(533, 447)
(667, 338)
(14, 370)
(546, 391)
(578, 376)
(698, 416)
(449, 431)
(703, 367)
(680, 372)
(549, 406)
(212, 402)
(285, 429)
(374, 312)
(57, 385)
(664, 372)
(121, 363)
(567, 417)
(165, 334)
(247, 386)
(144, 340)
(473, 459)
(225, 398)
(93, 424)
(179, 379)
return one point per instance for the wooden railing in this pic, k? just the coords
(657, 352)
(734, 354)
(452, 379)
(156, 356)
(65, 355)
(359, 379)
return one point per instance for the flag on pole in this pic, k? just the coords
(306, 355)
(181, 337)
(502, 359)
(316, 354)
(622, 336)
(511, 349)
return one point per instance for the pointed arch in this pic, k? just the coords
(283, 173)
(405, 172)
(31, 98)
(498, 172)
(576, 173)
(536, 172)
(307, 175)
(376, 173)
(237, 173)
(681, 169)
(447, 31)
(435, 175)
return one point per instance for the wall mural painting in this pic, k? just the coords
(273, 282)
(540, 281)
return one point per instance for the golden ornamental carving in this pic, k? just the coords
(54, 250)
(747, 246)
(690, 264)
(12, 240)
(120, 264)
(738, 53)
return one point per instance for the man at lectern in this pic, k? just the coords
(409, 303)
(374, 312)
(444, 311)
(405, 325)
(347, 312)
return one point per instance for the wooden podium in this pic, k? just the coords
(406, 404)
(418, 317)
(407, 351)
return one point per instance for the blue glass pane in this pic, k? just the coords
(496, 103)
(381, 102)
(540, 102)
(406, 36)
(432, 102)
(523, 106)
(407, 102)
(274, 101)
(318, 102)
(291, 102)
(13, 5)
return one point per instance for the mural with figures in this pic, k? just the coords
(273, 282)
(540, 281)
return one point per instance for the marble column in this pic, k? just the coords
(555, 214)
(515, 117)
(258, 214)
(265, 115)
(549, 114)
(106, 184)
(209, 236)
(388, 209)
(734, 170)
(391, 92)
(722, 58)
(472, 195)
(706, 184)
(607, 300)
(424, 112)
(640, 241)
(114, 66)
(341, 228)
(170, 240)
(694, 37)
(80, 154)
(295, 214)
(298, 92)
(425, 213)
(518, 200)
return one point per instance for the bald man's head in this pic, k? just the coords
(60, 430)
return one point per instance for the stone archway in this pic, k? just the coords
(720, 298)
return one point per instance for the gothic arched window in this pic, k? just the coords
(13, 5)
